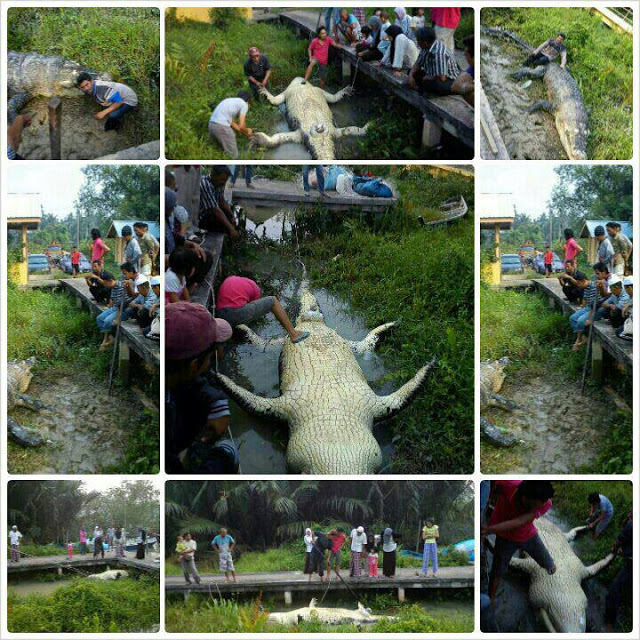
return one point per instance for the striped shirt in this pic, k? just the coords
(438, 61)
(210, 195)
(117, 294)
(107, 93)
(11, 154)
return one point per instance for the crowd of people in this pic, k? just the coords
(418, 48)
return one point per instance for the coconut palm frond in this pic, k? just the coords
(198, 525)
(174, 510)
(285, 506)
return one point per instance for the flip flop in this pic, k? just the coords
(304, 336)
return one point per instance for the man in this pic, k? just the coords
(223, 124)
(605, 251)
(98, 539)
(464, 84)
(319, 169)
(149, 248)
(258, 70)
(548, 51)
(117, 98)
(358, 543)
(140, 307)
(132, 252)
(75, 262)
(14, 135)
(197, 412)
(517, 504)
(187, 188)
(336, 538)
(622, 583)
(224, 544)
(14, 540)
(622, 247)
(436, 68)
(215, 213)
(188, 560)
(573, 282)
(625, 331)
(347, 29)
(612, 307)
(600, 513)
(445, 22)
(593, 295)
(130, 278)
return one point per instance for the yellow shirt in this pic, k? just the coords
(180, 547)
(430, 533)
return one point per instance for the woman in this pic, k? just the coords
(358, 542)
(141, 542)
(308, 548)
(119, 542)
(402, 54)
(571, 247)
(430, 535)
(83, 541)
(368, 50)
(389, 546)
(404, 22)
(98, 247)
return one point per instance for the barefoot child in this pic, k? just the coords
(373, 563)
(70, 550)
(319, 55)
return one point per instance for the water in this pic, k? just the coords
(261, 442)
(25, 588)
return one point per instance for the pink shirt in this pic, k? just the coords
(320, 50)
(236, 292)
(98, 249)
(571, 250)
(83, 536)
(447, 17)
(507, 509)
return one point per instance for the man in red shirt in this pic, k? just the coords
(548, 262)
(239, 302)
(75, 262)
(319, 55)
(337, 538)
(517, 504)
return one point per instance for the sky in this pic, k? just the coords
(57, 183)
(529, 183)
(102, 483)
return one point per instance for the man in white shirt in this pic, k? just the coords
(358, 542)
(223, 124)
(14, 539)
(188, 561)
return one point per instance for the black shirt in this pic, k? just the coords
(257, 69)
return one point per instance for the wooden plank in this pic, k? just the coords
(148, 350)
(204, 292)
(453, 113)
(613, 20)
(492, 145)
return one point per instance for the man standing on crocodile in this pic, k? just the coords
(548, 51)
(517, 504)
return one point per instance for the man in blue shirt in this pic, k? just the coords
(117, 98)
(600, 513)
(224, 544)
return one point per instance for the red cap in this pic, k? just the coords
(190, 329)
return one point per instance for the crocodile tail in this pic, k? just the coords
(503, 33)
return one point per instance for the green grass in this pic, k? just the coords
(83, 606)
(124, 42)
(40, 550)
(599, 58)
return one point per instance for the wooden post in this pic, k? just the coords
(596, 358)
(346, 69)
(124, 357)
(401, 594)
(59, 571)
(431, 134)
(55, 123)
(186, 595)
(288, 599)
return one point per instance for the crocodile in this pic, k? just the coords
(564, 102)
(310, 119)
(111, 574)
(328, 615)
(325, 397)
(19, 378)
(559, 596)
(146, 151)
(34, 74)
(491, 381)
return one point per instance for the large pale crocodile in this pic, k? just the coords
(559, 596)
(491, 380)
(328, 615)
(34, 74)
(564, 99)
(19, 378)
(146, 151)
(309, 118)
(325, 397)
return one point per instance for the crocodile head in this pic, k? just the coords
(309, 308)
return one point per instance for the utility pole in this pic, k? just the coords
(78, 229)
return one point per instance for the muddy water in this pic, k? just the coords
(560, 428)
(526, 136)
(83, 138)
(262, 444)
(25, 588)
(86, 431)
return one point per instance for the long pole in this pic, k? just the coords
(55, 121)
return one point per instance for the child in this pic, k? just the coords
(75, 262)
(110, 315)
(181, 547)
(180, 268)
(430, 535)
(319, 55)
(626, 330)
(548, 262)
(373, 563)
(70, 550)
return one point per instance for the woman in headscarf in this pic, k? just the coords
(368, 50)
(119, 542)
(308, 548)
(389, 545)
(404, 22)
(358, 544)
(142, 543)
(402, 54)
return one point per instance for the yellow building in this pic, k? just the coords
(24, 214)
(201, 14)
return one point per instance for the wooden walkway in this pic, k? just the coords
(289, 582)
(604, 338)
(130, 335)
(61, 562)
(451, 113)
(280, 193)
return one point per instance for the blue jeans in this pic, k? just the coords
(319, 176)
(578, 319)
(430, 551)
(329, 14)
(114, 119)
(248, 173)
(106, 318)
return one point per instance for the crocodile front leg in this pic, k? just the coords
(269, 142)
(371, 341)
(274, 100)
(332, 98)
(352, 131)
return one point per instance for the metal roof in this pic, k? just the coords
(115, 230)
(590, 225)
(24, 205)
(495, 205)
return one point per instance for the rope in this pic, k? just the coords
(355, 73)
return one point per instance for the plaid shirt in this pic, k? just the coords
(438, 61)
(358, 12)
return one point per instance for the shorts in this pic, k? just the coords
(504, 550)
(547, 268)
(226, 562)
(322, 69)
(335, 558)
(244, 315)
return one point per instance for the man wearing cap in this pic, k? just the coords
(358, 542)
(140, 307)
(622, 247)
(258, 70)
(228, 117)
(132, 252)
(605, 251)
(149, 248)
(612, 307)
(14, 541)
(548, 51)
(197, 413)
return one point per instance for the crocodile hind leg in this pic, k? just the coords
(371, 341)
(263, 140)
(541, 105)
(495, 435)
(525, 72)
(23, 400)
(22, 436)
(332, 98)
(352, 131)
(15, 104)
(497, 400)
(259, 341)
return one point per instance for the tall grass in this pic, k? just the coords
(122, 41)
(599, 58)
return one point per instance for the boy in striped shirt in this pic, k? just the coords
(117, 98)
